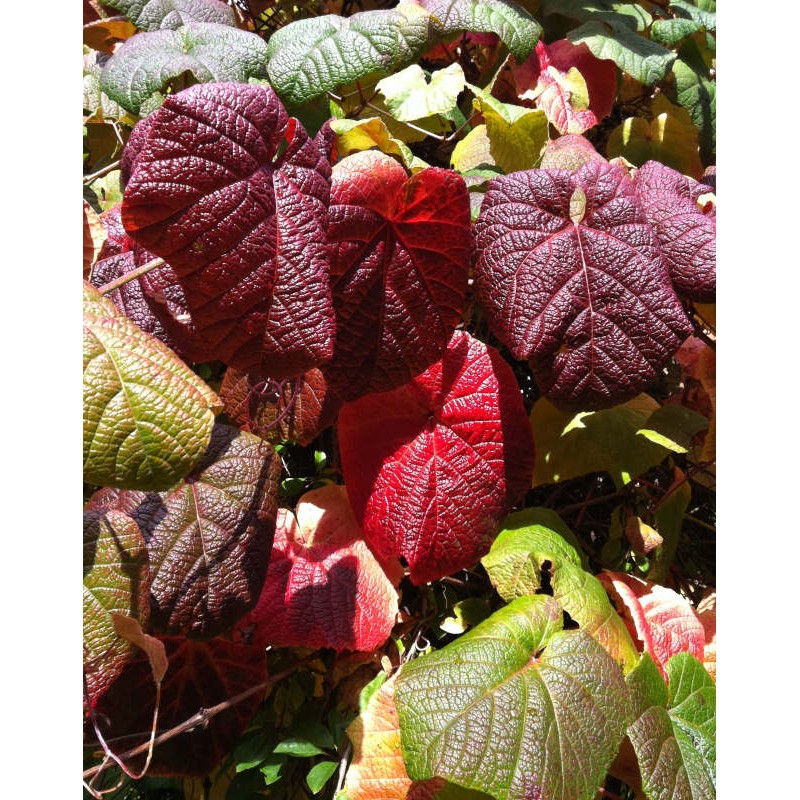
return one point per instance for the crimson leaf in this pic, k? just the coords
(242, 223)
(571, 276)
(687, 235)
(432, 466)
(399, 259)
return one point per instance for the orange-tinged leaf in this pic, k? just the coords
(643, 539)
(94, 234)
(377, 770)
(105, 34)
(130, 630)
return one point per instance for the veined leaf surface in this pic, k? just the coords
(150, 15)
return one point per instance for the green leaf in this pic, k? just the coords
(698, 95)
(320, 774)
(624, 13)
(299, 748)
(147, 418)
(517, 707)
(569, 445)
(668, 519)
(516, 134)
(409, 96)
(516, 562)
(150, 15)
(674, 731)
(517, 29)
(673, 427)
(311, 56)
(466, 614)
(144, 65)
(370, 689)
(313, 732)
(671, 31)
(272, 768)
(704, 12)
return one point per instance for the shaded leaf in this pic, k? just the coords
(115, 579)
(399, 250)
(516, 707)
(241, 222)
(209, 538)
(432, 466)
(200, 675)
(93, 237)
(144, 65)
(324, 587)
(698, 95)
(151, 15)
(535, 547)
(130, 630)
(662, 621)
(409, 96)
(674, 730)
(147, 417)
(673, 427)
(517, 29)
(104, 34)
(311, 56)
(571, 277)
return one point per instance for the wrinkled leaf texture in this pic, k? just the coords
(150, 15)
(686, 234)
(200, 675)
(399, 250)
(208, 539)
(571, 277)
(324, 587)
(433, 465)
(241, 222)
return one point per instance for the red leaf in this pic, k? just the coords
(688, 235)
(399, 258)
(660, 620)
(324, 587)
(241, 222)
(200, 675)
(432, 466)
(571, 277)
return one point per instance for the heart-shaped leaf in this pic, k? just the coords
(687, 235)
(674, 729)
(147, 417)
(533, 548)
(150, 15)
(241, 222)
(309, 57)
(661, 620)
(200, 676)
(115, 579)
(399, 250)
(324, 587)
(209, 539)
(517, 29)
(432, 466)
(517, 707)
(144, 65)
(571, 276)
(410, 96)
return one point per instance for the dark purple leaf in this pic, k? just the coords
(242, 223)
(571, 277)
(687, 235)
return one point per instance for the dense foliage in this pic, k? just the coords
(399, 399)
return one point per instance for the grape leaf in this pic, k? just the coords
(432, 466)
(209, 538)
(311, 56)
(143, 66)
(686, 234)
(241, 223)
(409, 96)
(399, 250)
(571, 277)
(517, 707)
(674, 730)
(354, 135)
(662, 621)
(535, 547)
(377, 769)
(150, 15)
(324, 587)
(517, 29)
(569, 152)
(297, 410)
(115, 579)
(200, 676)
(147, 417)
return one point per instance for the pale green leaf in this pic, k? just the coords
(354, 135)
(147, 418)
(473, 151)
(151, 15)
(516, 707)
(410, 97)
(320, 774)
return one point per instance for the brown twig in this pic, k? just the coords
(99, 174)
(132, 275)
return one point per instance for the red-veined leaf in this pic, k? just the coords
(399, 259)
(241, 222)
(572, 278)
(432, 466)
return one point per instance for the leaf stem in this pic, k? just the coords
(99, 174)
(132, 275)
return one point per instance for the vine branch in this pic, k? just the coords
(132, 275)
